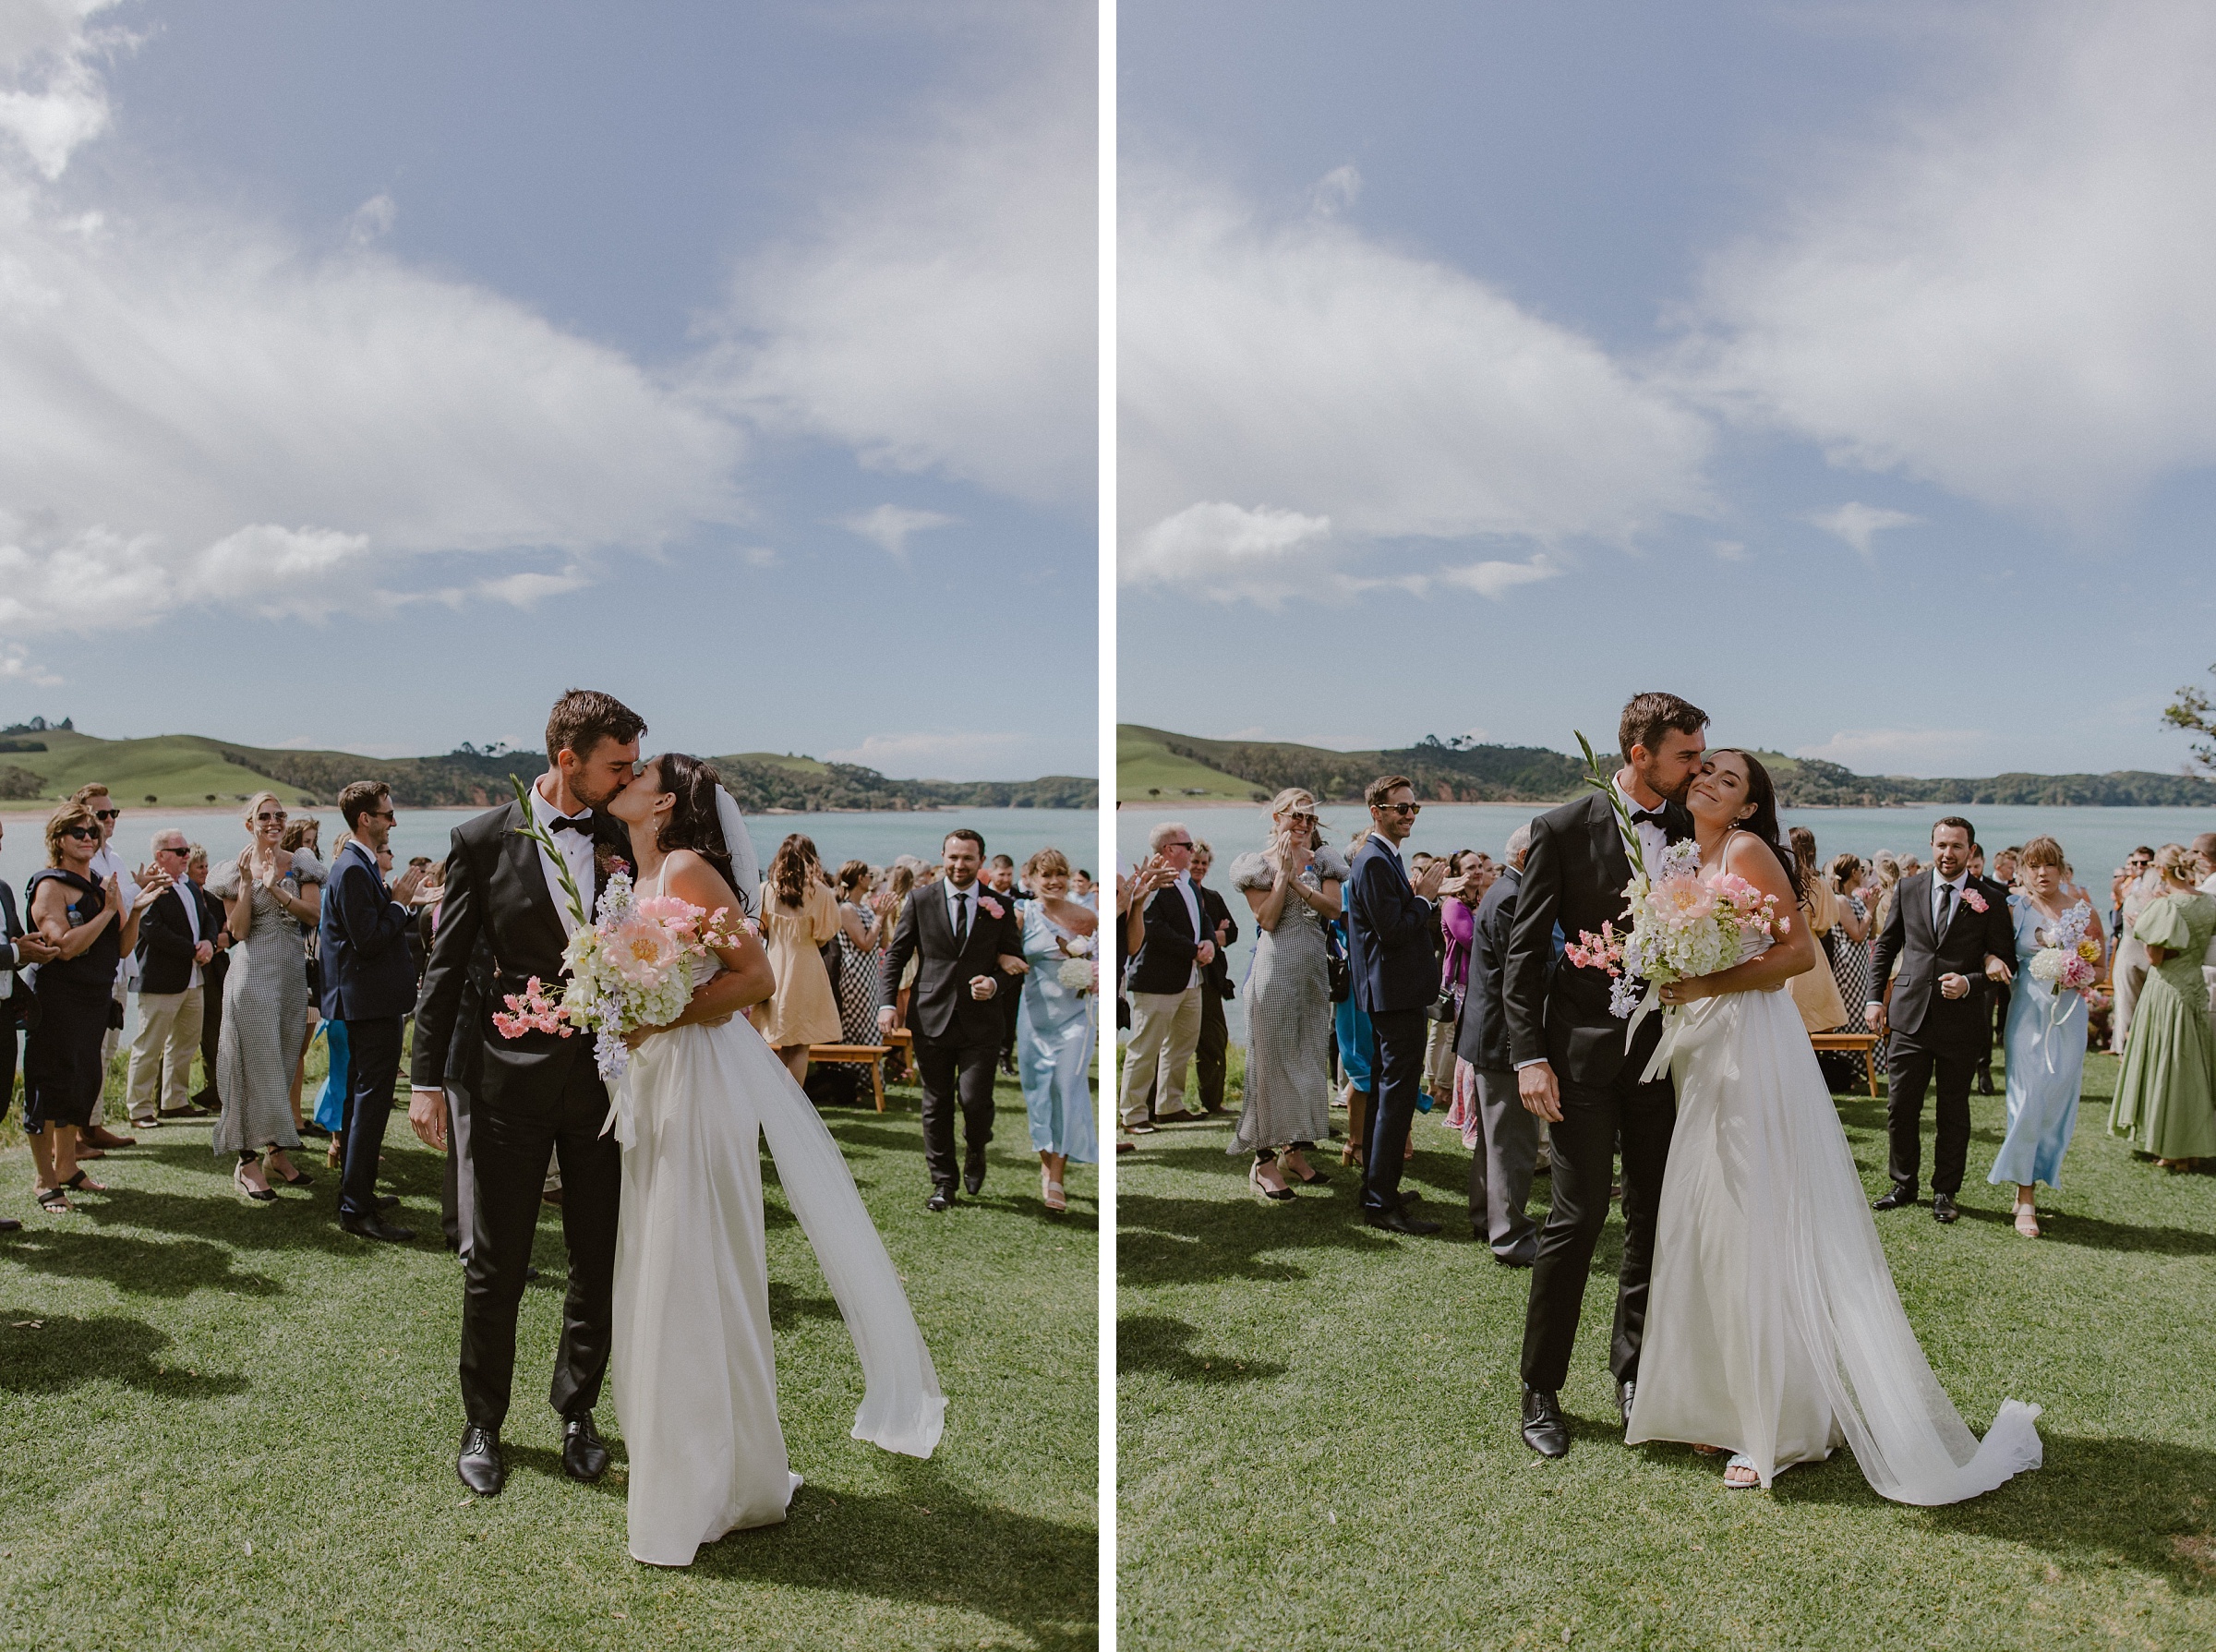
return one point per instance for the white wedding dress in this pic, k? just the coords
(695, 1377)
(1773, 1326)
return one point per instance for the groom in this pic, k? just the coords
(1571, 1066)
(539, 1095)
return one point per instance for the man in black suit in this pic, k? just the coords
(1507, 1152)
(208, 1098)
(538, 1094)
(1571, 1066)
(1389, 925)
(969, 952)
(1951, 935)
(177, 943)
(17, 948)
(1163, 983)
(1212, 1054)
(368, 987)
(998, 880)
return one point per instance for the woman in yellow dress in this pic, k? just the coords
(799, 915)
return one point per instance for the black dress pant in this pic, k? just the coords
(955, 1076)
(1397, 1071)
(1594, 1121)
(7, 1049)
(1211, 1055)
(211, 1029)
(1911, 1066)
(454, 1184)
(372, 1066)
(509, 1148)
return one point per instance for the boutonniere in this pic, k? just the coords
(986, 903)
(1973, 900)
(610, 862)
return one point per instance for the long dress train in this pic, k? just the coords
(1773, 1325)
(696, 1375)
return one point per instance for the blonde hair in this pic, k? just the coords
(2176, 861)
(253, 805)
(1293, 799)
(68, 815)
(2041, 850)
(1047, 862)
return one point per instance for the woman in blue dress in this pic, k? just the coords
(2044, 1039)
(1053, 1031)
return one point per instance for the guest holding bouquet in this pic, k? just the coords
(1055, 1035)
(2166, 1090)
(2058, 952)
(1293, 887)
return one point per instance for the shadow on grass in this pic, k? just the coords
(64, 1353)
(929, 1542)
(1192, 1241)
(1157, 1344)
(2096, 1503)
(136, 1267)
(2097, 1234)
(786, 1305)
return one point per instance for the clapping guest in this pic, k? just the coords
(1164, 986)
(1212, 1053)
(861, 931)
(19, 946)
(1056, 1038)
(2045, 1038)
(176, 946)
(90, 926)
(2166, 1089)
(94, 1139)
(271, 897)
(1503, 1138)
(1851, 941)
(798, 916)
(1292, 886)
(1461, 897)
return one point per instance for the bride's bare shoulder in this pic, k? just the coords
(692, 875)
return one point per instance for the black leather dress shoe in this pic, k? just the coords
(1625, 1391)
(376, 1228)
(941, 1199)
(1513, 1259)
(1544, 1429)
(1896, 1199)
(479, 1465)
(974, 1180)
(387, 1201)
(1943, 1208)
(583, 1455)
(1399, 1222)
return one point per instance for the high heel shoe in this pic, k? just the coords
(1314, 1178)
(259, 1195)
(1254, 1177)
(299, 1178)
(2027, 1219)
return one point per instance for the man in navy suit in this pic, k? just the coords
(1389, 928)
(368, 985)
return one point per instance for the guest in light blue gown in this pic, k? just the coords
(2045, 1039)
(1054, 1032)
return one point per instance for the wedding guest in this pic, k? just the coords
(1996, 891)
(369, 988)
(1212, 1052)
(1292, 886)
(2205, 846)
(1457, 919)
(860, 953)
(1055, 1049)
(2006, 864)
(307, 833)
(95, 1138)
(207, 1100)
(1502, 1137)
(900, 882)
(2135, 884)
(19, 947)
(1816, 992)
(271, 896)
(799, 915)
(999, 879)
(2166, 1089)
(1949, 940)
(1390, 921)
(1163, 984)
(176, 946)
(2045, 1039)
(1083, 890)
(1353, 1038)
(90, 926)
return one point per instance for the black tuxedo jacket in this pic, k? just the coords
(939, 1006)
(1482, 1039)
(1163, 963)
(165, 939)
(1389, 932)
(1914, 1007)
(1573, 879)
(496, 890)
(369, 973)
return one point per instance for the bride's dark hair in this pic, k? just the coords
(1762, 794)
(693, 823)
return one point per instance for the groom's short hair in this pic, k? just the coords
(1968, 831)
(1646, 716)
(582, 717)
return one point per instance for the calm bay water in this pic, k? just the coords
(2096, 840)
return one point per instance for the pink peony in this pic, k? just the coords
(987, 904)
(1682, 902)
(642, 950)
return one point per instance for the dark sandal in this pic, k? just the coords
(54, 1201)
(85, 1184)
(299, 1178)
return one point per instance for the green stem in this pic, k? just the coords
(539, 835)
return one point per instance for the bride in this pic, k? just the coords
(696, 1378)
(1773, 1327)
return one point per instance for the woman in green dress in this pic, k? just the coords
(2166, 1091)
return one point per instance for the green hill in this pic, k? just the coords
(39, 766)
(1462, 771)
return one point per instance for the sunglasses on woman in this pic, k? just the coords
(83, 833)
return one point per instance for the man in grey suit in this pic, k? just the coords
(1507, 1152)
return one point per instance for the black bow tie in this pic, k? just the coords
(582, 823)
(1648, 818)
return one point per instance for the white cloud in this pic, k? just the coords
(888, 526)
(1336, 192)
(943, 314)
(17, 666)
(1322, 377)
(935, 754)
(1227, 551)
(194, 410)
(1900, 751)
(372, 219)
(1497, 579)
(1859, 524)
(2007, 292)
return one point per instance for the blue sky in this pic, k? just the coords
(371, 374)
(1846, 368)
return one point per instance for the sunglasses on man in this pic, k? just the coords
(107, 814)
(1402, 808)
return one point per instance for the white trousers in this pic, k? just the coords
(169, 1037)
(1165, 1030)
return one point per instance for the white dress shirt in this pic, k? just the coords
(105, 861)
(186, 897)
(576, 851)
(1184, 885)
(1957, 884)
(1653, 839)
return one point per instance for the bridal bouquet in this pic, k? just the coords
(631, 969)
(1080, 971)
(2066, 959)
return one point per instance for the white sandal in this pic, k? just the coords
(1740, 1460)
(2027, 1219)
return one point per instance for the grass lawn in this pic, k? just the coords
(1148, 772)
(1318, 1431)
(229, 1425)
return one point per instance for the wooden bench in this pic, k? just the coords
(871, 1054)
(1862, 1043)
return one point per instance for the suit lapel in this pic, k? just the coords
(523, 856)
(1608, 844)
